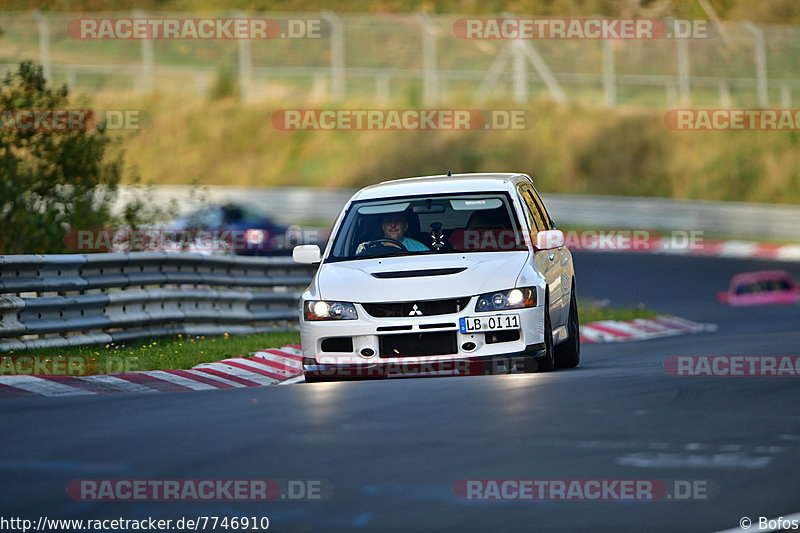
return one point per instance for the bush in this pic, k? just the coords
(52, 181)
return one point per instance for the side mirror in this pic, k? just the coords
(547, 240)
(306, 254)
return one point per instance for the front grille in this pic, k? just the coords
(418, 344)
(425, 307)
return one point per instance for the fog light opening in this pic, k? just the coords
(367, 352)
(468, 346)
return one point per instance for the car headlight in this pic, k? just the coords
(510, 299)
(323, 310)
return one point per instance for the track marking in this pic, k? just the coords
(43, 386)
(121, 385)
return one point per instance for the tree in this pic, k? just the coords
(50, 181)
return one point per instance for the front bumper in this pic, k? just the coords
(438, 338)
(462, 366)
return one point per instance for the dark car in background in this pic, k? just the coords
(239, 229)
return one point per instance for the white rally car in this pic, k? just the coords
(466, 268)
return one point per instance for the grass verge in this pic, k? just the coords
(595, 310)
(160, 354)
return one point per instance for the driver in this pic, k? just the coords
(394, 226)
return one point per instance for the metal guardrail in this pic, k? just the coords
(52, 301)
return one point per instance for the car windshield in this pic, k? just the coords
(439, 224)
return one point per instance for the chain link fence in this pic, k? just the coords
(416, 59)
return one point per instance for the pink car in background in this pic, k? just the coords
(763, 287)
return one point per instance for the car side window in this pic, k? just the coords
(534, 214)
(527, 208)
(542, 211)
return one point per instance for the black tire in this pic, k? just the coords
(545, 363)
(568, 354)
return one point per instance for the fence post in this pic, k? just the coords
(148, 59)
(543, 70)
(519, 71)
(760, 51)
(44, 45)
(245, 65)
(683, 71)
(382, 89)
(724, 95)
(669, 88)
(72, 77)
(337, 43)
(492, 77)
(319, 87)
(430, 94)
(609, 76)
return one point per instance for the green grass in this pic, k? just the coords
(593, 311)
(166, 353)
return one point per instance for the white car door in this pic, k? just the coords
(547, 262)
(562, 261)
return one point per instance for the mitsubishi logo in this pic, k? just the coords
(415, 311)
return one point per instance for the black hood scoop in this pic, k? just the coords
(419, 273)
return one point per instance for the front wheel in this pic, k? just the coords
(568, 354)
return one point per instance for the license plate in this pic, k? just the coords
(476, 324)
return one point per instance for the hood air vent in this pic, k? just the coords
(419, 273)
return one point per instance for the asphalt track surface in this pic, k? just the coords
(392, 450)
